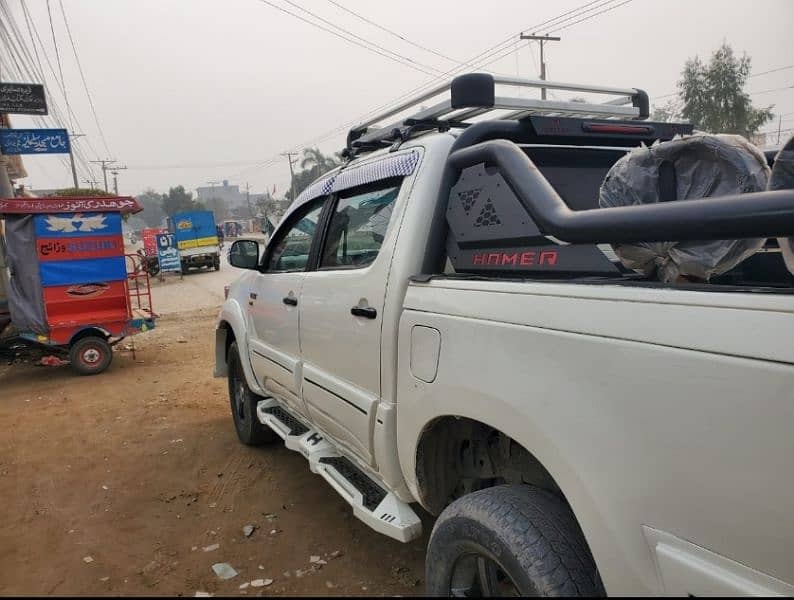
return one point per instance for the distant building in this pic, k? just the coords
(229, 195)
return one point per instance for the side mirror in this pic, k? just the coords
(244, 254)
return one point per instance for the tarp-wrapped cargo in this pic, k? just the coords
(783, 179)
(690, 167)
(25, 300)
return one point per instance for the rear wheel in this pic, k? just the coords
(90, 355)
(510, 540)
(243, 404)
(216, 263)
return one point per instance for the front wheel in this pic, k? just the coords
(510, 540)
(243, 403)
(90, 355)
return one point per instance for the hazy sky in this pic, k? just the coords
(191, 91)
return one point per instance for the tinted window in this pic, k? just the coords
(290, 251)
(357, 228)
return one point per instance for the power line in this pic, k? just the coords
(347, 39)
(55, 109)
(58, 58)
(366, 41)
(20, 56)
(771, 71)
(393, 33)
(787, 87)
(82, 76)
(475, 62)
(30, 33)
(26, 68)
(70, 113)
(611, 8)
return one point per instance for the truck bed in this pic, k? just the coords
(651, 390)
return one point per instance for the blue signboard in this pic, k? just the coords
(34, 141)
(167, 253)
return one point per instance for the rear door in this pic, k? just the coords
(273, 305)
(341, 315)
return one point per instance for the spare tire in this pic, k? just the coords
(692, 167)
(783, 179)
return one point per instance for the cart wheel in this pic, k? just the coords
(90, 355)
(216, 263)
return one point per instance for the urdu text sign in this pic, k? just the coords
(34, 141)
(22, 99)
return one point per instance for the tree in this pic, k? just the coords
(152, 204)
(668, 112)
(713, 97)
(178, 200)
(317, 162)
(85, 192)
(313, 164)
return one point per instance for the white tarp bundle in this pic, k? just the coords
(783, 179)
(691, 167)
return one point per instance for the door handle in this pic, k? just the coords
(290, 301)
(367, 312)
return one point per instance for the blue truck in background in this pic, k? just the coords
(196, 239)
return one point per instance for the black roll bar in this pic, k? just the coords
(758, 214)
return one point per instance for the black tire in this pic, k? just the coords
(525, 541)
(243, 404)
(216, 263)
(90, 355)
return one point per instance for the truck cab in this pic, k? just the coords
(197, 240)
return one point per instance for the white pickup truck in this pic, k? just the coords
(445, 321)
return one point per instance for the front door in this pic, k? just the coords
(341, 311)
(273, 306)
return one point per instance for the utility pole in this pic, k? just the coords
(289, 156)
(115, 173)
(248, 200)
(93, 183)
(105, 169)
(541, 39)
(71, 157)
(6, 191)
(779, 125)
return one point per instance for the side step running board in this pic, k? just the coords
(372, 504)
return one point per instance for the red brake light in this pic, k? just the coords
(617, 128)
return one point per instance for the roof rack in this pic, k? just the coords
(474, 95)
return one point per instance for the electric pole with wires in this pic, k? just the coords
(115, 173)
(105, 169)
(71, 157)
(541, 39)
(289, 156)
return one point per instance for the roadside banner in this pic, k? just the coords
(23, 99)
(34, 141)
(167, 253)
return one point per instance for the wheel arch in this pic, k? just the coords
(89, 332)
(450, 446)
(231, 327)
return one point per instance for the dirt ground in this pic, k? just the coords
(117, 484)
